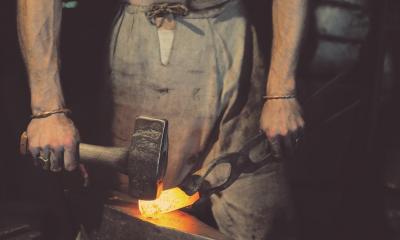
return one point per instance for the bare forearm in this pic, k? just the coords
(38, 29)
(289, 17)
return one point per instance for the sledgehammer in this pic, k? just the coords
(145, 161)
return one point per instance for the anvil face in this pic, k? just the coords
(122, 221)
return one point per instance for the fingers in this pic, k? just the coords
(71, 157)
(275, 143)
(289, 142)
(35, 151)
(49, 158)
(284, 145)
(56, 159)
(84, 175)
(44, 157)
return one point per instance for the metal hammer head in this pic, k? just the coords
(148, 156)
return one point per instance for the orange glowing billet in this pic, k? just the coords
(168, 201)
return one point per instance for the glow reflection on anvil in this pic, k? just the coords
(123, 210)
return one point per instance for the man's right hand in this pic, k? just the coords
(54, 138)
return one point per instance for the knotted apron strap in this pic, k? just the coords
(161, 11)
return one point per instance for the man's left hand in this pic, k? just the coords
(282, 122)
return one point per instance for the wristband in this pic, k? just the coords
(49, 113)
(279, 97)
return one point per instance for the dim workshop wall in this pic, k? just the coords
(340, 30)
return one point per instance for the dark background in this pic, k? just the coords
(337, 180)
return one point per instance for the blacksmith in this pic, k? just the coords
(196, 63)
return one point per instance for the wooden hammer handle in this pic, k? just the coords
(115, 157)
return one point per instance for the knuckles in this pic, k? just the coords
(69, 143)
(57, 144)
(34, 150)
(57, 148)
(276, 129)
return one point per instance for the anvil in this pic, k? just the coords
(122, 220)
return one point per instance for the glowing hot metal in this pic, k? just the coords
(169, 200)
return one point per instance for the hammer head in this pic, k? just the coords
(148, 156)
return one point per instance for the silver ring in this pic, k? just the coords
(45, 162)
